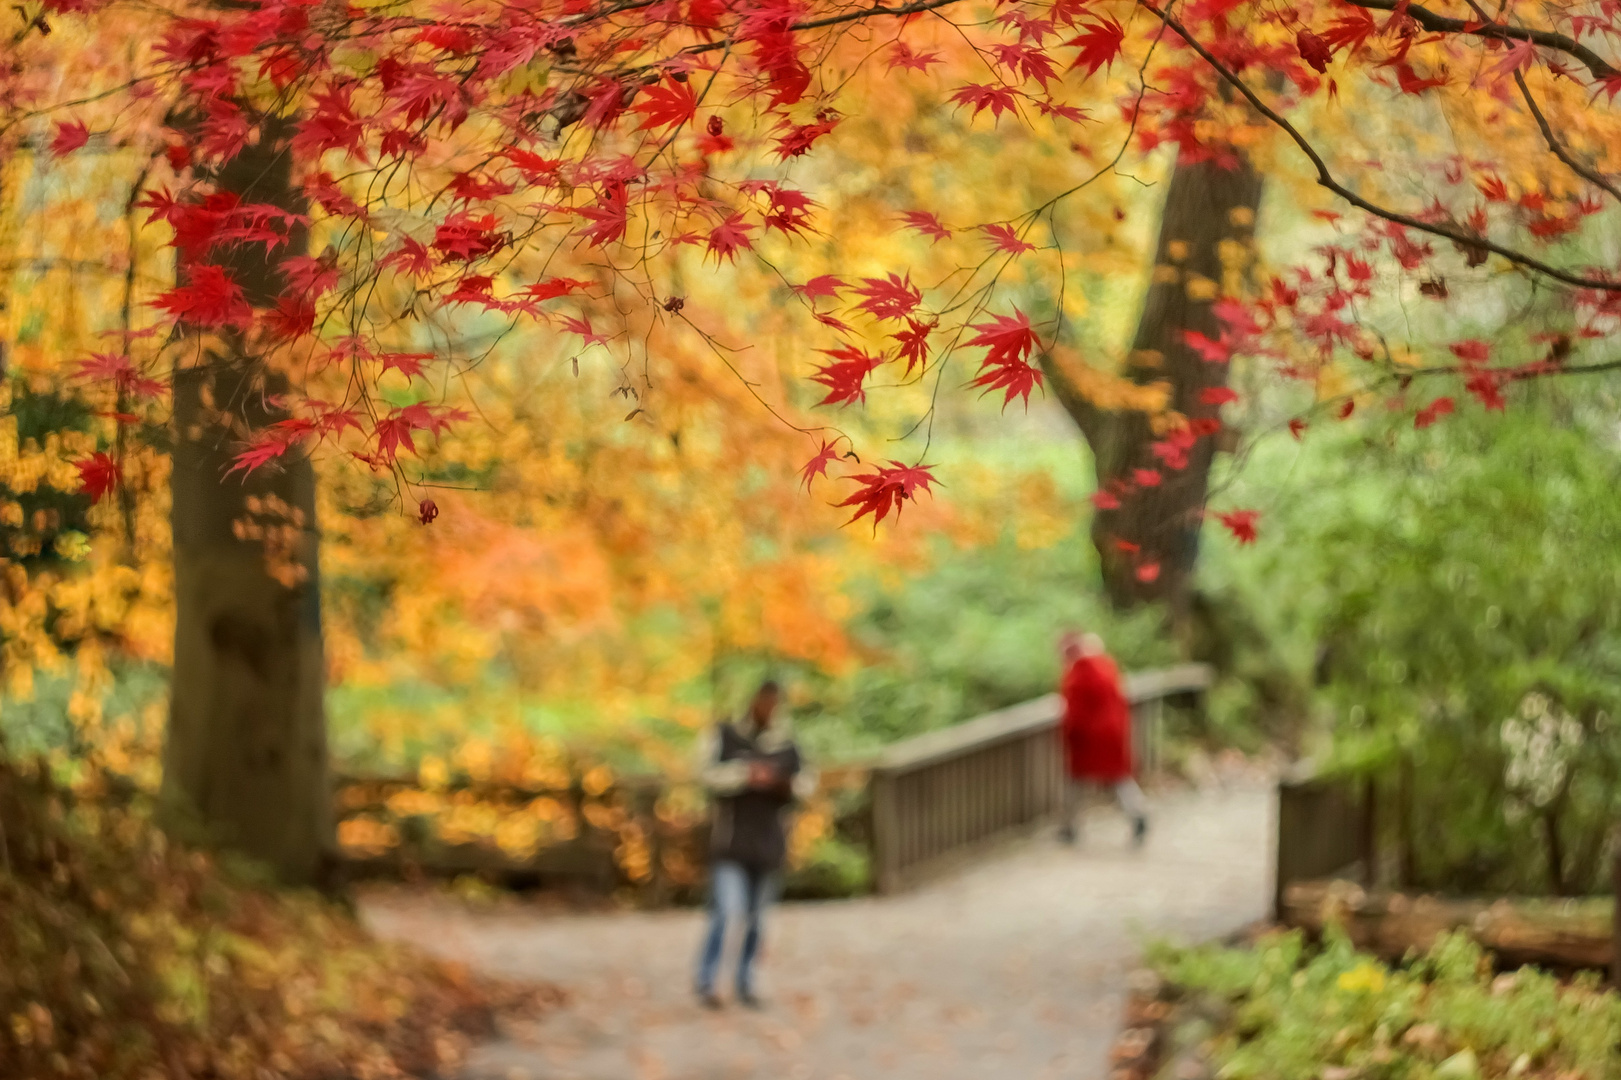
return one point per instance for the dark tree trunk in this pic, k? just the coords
(246, 747)
(1204, 248)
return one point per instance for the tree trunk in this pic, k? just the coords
(1205, 245)
(246, 746)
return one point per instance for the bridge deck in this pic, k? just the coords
(1013, 968)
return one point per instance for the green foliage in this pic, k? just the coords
(1455, 594)
(1297, 1014)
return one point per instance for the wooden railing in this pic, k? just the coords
(944, 793)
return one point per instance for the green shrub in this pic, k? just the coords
(1301, 1015)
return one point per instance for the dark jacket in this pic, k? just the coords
(749, 826)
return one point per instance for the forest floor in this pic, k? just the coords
(1013, 967)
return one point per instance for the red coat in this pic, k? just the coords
(1096, 724)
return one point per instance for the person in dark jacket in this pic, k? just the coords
(753, 772)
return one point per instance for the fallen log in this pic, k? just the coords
(1548, 932)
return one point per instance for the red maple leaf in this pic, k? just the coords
(1313, 50)
(69, 137)
(1241, 523)
(1007, 240)
(817, 466)
(583, 328)
(1008, 339)
(998, 99)
(1472, 351)
(902, 56)
(98, 474)
(610, 213)
(1214, 352)
(927, 224)
(1351, 30)
(669, 104)
(1100, 43)
(825, 285)
(893, 297)
(730, 236)
(407, 364)
(1297, 428)
(1146, 477)
(1105, 500)
(844, 378)
(554, 287)
(914, 343)
(886, 488)
(1410, 83)
(121, 371)
(1148, 573)
(210, 298)
(1217, 395)
(1347, 409)
(1432, 412)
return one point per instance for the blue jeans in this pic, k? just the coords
(737, 894)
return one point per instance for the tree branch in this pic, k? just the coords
(1325, 178)
(1590, 175)
(1548, 39)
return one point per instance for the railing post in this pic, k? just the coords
(1615, 889)
(885, 831)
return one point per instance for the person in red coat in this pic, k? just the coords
(1096, 729)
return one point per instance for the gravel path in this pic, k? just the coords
(1014, 968)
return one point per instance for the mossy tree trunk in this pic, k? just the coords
(246, 754)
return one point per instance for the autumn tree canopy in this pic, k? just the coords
(468, 170)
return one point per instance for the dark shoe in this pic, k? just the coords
(747, 999)
(709, 999)
(1139, 832)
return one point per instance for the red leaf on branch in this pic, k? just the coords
(1351, 31)
(927, 224)
(902, 56)
(817, 466)
(1100, 43)
(982, 96)
(210, 298)
(1007, 339)
(407, 364)
(1410, 83)
(1297, 428)
(1105, 500)
(844, 378)
(730, 237)
(1146, 477)
(69, 137)
(583, 328)
(1347, 409)
(825, 285)
(427, 510)
(1472, 351)
(1432, 412)
(1214, 352)
(554, 287)
(1148, 573)
(1313, 50)
(886, 488)
(893, 297)
(1241, 523)
(121, 372)
(914, 343)
(1007, 240)
(98, 474)
(1217, 395)
(668, 104)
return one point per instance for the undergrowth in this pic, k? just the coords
(124, 956)
(1296, 1013)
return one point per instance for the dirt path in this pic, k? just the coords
(1013, 969)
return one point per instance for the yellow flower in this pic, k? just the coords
(1366, 978)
